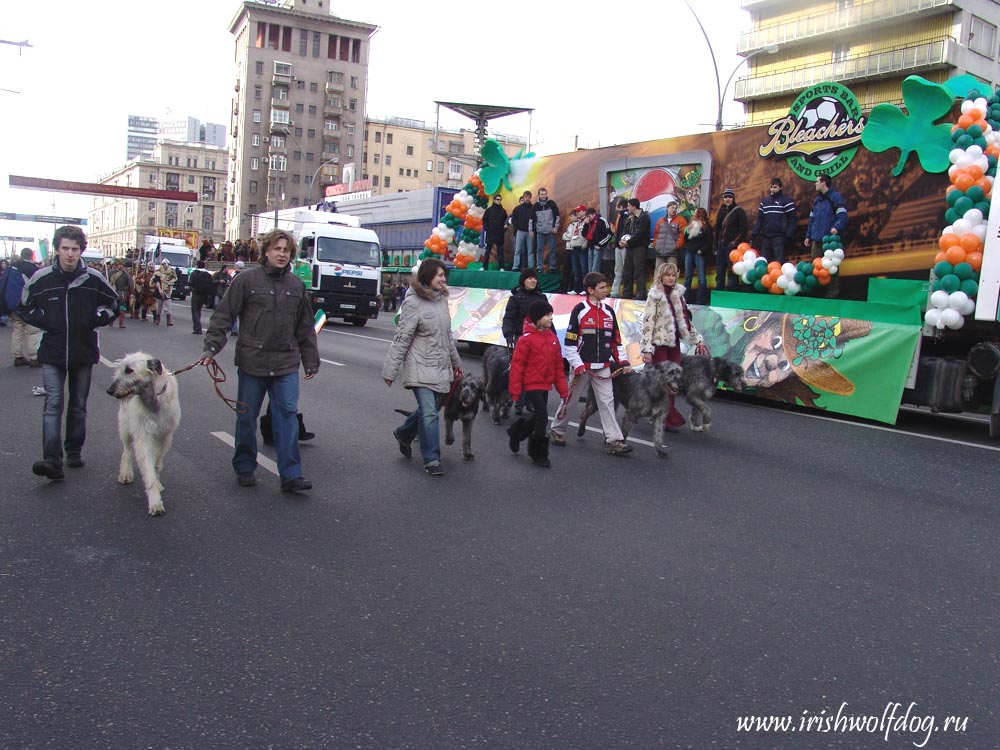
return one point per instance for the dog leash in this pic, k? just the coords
(218, 376)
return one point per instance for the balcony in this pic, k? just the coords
(334, 88)
(330, 156)
(853, 17)
(897, 61)
(280, 127)
(332, 110)
(280, 103)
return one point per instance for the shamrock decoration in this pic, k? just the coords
(962, 86)
(816, 338)
(888, 127)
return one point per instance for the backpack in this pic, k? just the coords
(202, 282)
(11, 286)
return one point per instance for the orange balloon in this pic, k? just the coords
(774, 267)
(975, 260)
(964, 121)
(735, 256)
(981, 123)
(986, 184)
(939, 257)
(971, 243)
(954, 254)
(775, 289)
(818, 263)
(947, 240)
(767, 281)
(743, 247)
(992, 149)
(963, 180)
(974, 171)
(975, 113)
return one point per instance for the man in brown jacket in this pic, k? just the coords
(275, 333)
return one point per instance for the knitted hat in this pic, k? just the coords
(527, 273)
(538, 310)
(728, 192)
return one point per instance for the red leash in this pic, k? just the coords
(218, 376)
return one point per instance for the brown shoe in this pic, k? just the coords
(20, 362)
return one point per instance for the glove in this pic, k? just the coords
(580, 370)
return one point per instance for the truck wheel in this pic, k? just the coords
(358, 321)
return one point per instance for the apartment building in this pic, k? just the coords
(402, 154)
(145, 132)
(116, 224)
(870, 46)
(298, 108)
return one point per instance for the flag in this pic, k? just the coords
(319, 321)
(156, 255)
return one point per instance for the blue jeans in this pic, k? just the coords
(578, 256)
(594, 259)
(523, 242)
(423, 423)
(773, 248)
(692, 260)
(53, 380)
(283, 395)
(544, 243)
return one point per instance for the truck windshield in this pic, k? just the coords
(177, 260)
(338, 250)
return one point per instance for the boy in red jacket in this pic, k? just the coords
(536, 366)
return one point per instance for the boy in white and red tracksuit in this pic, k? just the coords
(592, 344)
(536, 366)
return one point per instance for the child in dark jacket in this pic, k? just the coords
(536, 366)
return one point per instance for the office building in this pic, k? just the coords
(869, 46)
(298, 107)
(145, 132)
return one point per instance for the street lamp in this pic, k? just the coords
(719, 88)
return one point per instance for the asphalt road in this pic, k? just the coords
(782, 564)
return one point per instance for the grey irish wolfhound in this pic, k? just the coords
(148, 415)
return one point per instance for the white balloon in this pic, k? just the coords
(745, 278)
(954, 154)
(839, 253)
(981, 104)
(442, 227)
(750, 256)
(788, 269)
(933, 316)
(970, 307)
(826, 263)
(964, 161)
(794, 287)
(953, 168)
(828, 254)
(952, 318)
(975, 151)
(967, 105)
(739, 268)
(973, 216)
(983, 163)
(980, 232)
(957, 300)
(939, 299)
(963, 226)
(782, 281)
(834, 268)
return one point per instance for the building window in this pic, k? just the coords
(280, 116)
(441, 167)
(387, 181)
(330, 126)
(430, 166)
(254, 163)
(312, 109)
(208, 218)
(313, 87)
(409, 150)
(257, 115)
(255, 139)
(375, 158)
(841, 51)
(279, 163)
(299, 107)
(312, 132)
(188, 224)
(454, 170)
(354, 81)
(295, 178)
(297, 155)
(350, 128)
(982, 37)
(191, 178)
(278, 141)
(388, 160)
(258, 92)
(375, 180)
(298, 131)
(353, 106)
(364, 137)
(252, 209)
(282, 69)
(300, 85)
(303, 42)
(259, 68)
(253, 187)
(401, 172)
(281, 93)
(350, 151)
(310, 156)
(335, 76)
(388, 138)
(151, 206)
(315, 50)
(378, 136)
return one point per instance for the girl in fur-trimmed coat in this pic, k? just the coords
(665, 323)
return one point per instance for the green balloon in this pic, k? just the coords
(962, 270)
(950, 283)
(954, 195)
(957, 133)
(964, 141)
(952, 215)
(800, 278)
(975, 193)
(970, 287)
(936, 285)
(943, 268)
(759, 287)
(811, 282)
(984, 206)
(975, 131)
(981, 142)
(963, 204)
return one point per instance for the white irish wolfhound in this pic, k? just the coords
(148, 415)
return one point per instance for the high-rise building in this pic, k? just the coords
(145, 132)
(401, 155)
(298, 108)
(869, 46)
(117, 223)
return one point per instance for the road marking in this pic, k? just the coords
(881, 428)
(357, 335)
(264, 461)
(331, 362)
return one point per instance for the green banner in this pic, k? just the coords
(846, 357)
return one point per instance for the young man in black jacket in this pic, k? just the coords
(494, 226)
(775, 226)
(635, 239)
(68, 301)
(731, 228)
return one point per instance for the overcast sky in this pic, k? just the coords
(593, 77)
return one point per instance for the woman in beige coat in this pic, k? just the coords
(665, 323)
(424, 357)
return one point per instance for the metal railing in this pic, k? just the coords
(815, 25)
(891, 61)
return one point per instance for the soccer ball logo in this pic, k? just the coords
(817, 113)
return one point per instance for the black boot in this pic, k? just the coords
(265, 430)
(518, 431)
(304, 434)
(538, 449)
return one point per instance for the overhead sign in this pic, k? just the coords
(43, 219)
(821, 133)
(349, 187)
(90, 188)
(8, 238)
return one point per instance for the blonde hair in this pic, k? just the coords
(665, 268)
